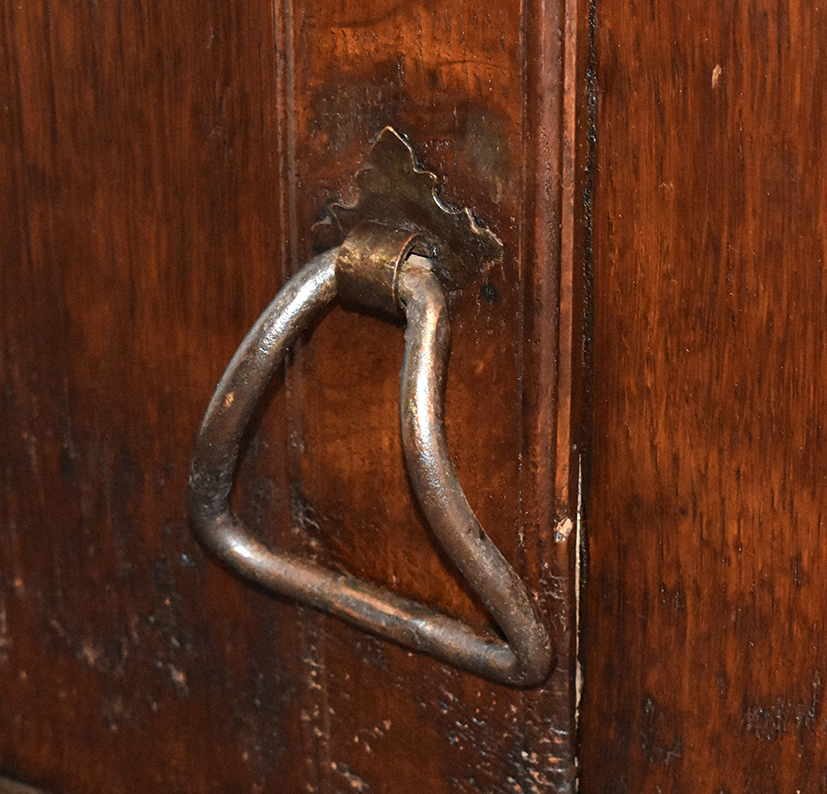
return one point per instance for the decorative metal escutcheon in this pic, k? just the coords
(398, 249)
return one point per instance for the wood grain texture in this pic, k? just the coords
(140, 172)
(163, 165)
(703, 626)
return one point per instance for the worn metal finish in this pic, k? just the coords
(432, 474)
(377, 266)
(394, 191)
(368, 263)
(525, 660)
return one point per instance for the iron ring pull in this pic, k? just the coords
(525, 659)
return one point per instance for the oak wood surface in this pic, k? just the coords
(163, 166)
(703, 625)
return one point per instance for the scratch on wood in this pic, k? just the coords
(317, 717)
(563, 529)
(5, 638)
(179, 679)
(769, 721)
(355, 782)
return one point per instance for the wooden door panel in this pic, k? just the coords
(140, 164)
(461, 97)
(703, 623)
(165, 166)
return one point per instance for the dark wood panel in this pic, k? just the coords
(140, 171)
(164, 165)
(703, 625)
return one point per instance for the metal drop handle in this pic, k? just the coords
(380, 266)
